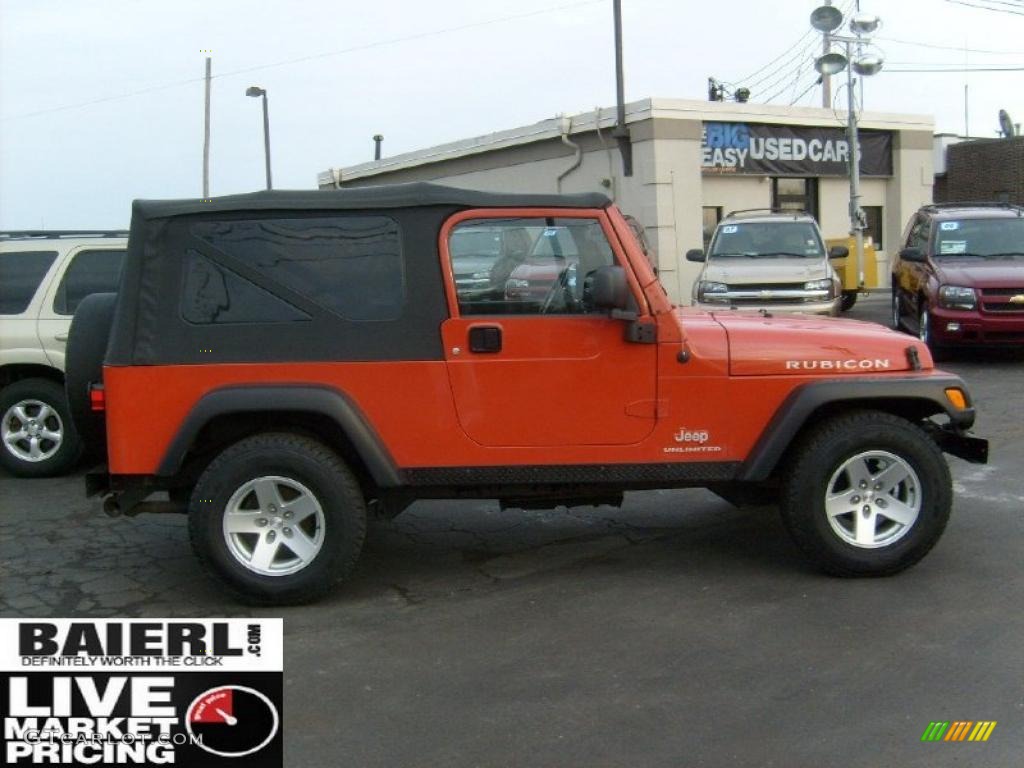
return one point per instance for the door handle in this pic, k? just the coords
(485, 338)
(60, 336)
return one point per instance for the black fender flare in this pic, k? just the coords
(327, 402)
(927, 393)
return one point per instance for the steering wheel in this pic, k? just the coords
(561, 286)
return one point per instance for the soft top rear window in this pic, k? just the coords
(350, 265)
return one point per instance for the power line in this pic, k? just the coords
(961, 69)
(986, 7)
(949, 47)
(814, 84)
(312, 57)
(799, 41)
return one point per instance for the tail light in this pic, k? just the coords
(97, 398)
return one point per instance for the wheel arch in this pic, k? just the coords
(13, 372)
(224, 416)
(912, 399)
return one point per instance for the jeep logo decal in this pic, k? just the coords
(685, 435)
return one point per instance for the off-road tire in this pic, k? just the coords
(70, 445)
(822, 451)
(301, 459)
(83, 366)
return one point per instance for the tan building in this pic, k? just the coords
(693, 161)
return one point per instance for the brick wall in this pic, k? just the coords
(984, 169)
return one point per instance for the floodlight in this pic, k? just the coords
(826, 18)
(868, 64)
(864, 23)
(830, 63)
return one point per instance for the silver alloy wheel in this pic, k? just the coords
(873, 499)
(32, 431)
(924, 329)
(274, 525)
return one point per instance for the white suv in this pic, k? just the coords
(43, 277)
(771, 260)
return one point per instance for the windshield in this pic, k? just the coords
(768, 240)
(980, 238)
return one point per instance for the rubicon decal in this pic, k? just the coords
(864, 364)
(141, 692)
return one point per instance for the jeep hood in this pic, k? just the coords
(808, 345)
(739, 270)
(976, 273)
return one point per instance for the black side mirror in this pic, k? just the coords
(695, 254)
(915, 255)
(838, 252)
(610, 289)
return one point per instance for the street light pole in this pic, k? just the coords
(852, 137)
(827, 19)
(255, 91)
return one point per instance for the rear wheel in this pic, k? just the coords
(866, 494)
(38, 436)
(279, 518)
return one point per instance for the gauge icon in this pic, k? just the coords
(232, 721)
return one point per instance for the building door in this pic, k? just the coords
(795, 194)
(530, 361)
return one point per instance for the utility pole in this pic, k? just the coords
(206, 135)
(621, 131)
(826, 80)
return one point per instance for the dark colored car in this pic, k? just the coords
(959, 279)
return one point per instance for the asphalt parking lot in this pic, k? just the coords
(675, 631)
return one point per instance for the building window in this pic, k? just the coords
(795, 194)
(712, 215)
(873, 216)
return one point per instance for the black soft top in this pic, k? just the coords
(354, 198)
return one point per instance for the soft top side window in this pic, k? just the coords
(527, 266)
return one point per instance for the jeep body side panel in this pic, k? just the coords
(927, 392)
(328, 403)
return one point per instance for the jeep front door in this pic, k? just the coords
(531, 362)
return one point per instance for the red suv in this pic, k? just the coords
(959, 279)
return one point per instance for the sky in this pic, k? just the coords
(101, 102)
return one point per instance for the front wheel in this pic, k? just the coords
(926, 334)
(866, 494)
(848, 299)
(279, 518)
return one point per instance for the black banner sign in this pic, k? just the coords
(789, 150)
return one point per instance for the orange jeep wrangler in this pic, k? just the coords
(279, 363)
